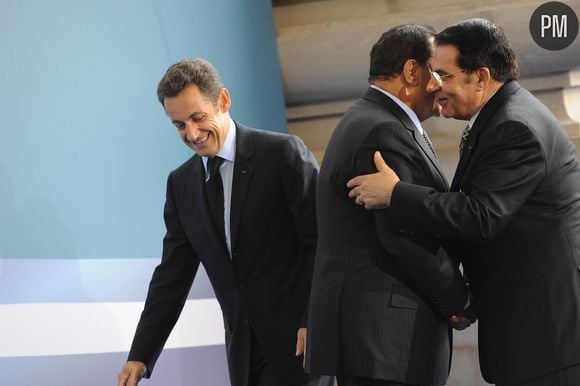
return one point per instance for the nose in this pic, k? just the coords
(433, 85)
(191, 131)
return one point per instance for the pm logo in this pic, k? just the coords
(554, 26)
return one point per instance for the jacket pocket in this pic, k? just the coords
(518, 293)
(404, 297)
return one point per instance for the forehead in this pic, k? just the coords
(187, 102)
(444, 57)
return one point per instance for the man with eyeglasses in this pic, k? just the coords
(513, 213)
(381, 300)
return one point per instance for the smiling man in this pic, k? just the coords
(513, 212)
(243, 206)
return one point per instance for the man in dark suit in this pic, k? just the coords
(257, 248)
(381, 300)
(513, 213)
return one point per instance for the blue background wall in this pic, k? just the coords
(85, 149)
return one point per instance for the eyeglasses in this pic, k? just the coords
(440, 78)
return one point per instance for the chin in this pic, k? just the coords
(447, 114)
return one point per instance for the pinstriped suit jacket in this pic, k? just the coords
(380, 297)
(266, 283)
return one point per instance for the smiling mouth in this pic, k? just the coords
(201, 140)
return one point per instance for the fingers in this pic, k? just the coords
(380, 162)
(131, 374)
(301, 345)
(354, 192)
(123, 376)
(123, 379)
(300, 341)
(459, 322)
(353, 183)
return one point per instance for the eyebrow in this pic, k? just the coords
(188, 118)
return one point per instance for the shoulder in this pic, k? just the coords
(264, 140)
(522, 115)
(368, 110)
(365, 118)
(185, 168)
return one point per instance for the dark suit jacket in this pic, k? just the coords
(380, 299)
(267, 281)
(516, 215)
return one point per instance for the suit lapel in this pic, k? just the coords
(194, 199)
(243, 169)
(479, 126)
(388, 104)
(428, 153)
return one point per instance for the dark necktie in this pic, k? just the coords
(464, 138)
(426, 138)
(215, 194)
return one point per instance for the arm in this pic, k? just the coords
(299, 182)
(508, 166)
(168, 290)
(511, 165)
(430, 271)
(375, 190)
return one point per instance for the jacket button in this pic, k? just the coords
(245, 321)
(242, 287)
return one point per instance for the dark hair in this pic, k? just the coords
(481, 44)
(185, 73)
(396, 46)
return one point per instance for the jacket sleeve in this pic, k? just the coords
(431, 272)
(168, 289)
(300, 174)
(509, 166)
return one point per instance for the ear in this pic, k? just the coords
(483, 77)
(411, 72)
(224, 100)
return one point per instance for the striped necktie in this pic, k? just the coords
(464, 138)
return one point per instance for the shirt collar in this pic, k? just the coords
(228, 150)
(410, 113)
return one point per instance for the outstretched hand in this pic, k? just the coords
(131, 373)
(375, 190)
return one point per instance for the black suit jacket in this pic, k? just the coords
(266, 282)
(515, 214)
(380, 299)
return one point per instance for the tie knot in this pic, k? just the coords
(213, 165)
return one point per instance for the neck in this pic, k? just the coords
(395, 87)
(492, 88)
